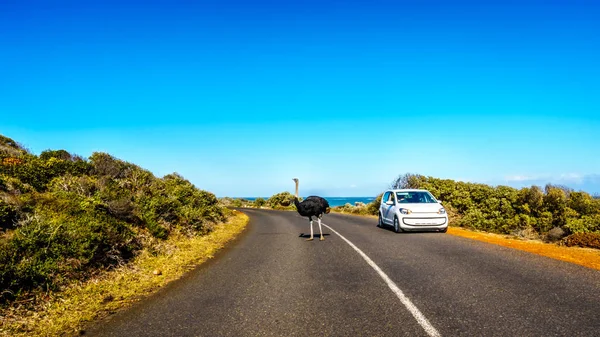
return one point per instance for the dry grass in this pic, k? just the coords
(586, 257)
(67, 312)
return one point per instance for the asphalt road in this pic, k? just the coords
(271, 282)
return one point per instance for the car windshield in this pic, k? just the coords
(415, 197)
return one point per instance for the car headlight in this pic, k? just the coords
(442, 211)
(404, 211)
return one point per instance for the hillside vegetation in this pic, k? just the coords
(64, 218)
(552, 213)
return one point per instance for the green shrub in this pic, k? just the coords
(175, 201)
(8, 215)
(74, 217)
(281, 200)
(259, 202)
(373, 206)
(544, 222)
(530, 200)
(585, 224)
(85, 186)
(9, 142)
(14, 186)
(582, 203)
(474, 218)
(44, 251)
(38, 172)
(103, 164)
(58, 154)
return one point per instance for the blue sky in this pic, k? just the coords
(241, 96)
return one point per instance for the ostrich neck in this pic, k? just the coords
(296, 201)
(296, 190)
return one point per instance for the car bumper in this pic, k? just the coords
(419, 223)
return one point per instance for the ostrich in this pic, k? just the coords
(309, 207)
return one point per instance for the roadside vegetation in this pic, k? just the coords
(279, 201)
(65, 220)
(552, 213)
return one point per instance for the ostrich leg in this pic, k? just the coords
(311, 231)
(320, 230)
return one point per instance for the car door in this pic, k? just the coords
(393, 207)
(387, 206)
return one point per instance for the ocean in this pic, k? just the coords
(334, 201)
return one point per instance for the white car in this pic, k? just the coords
(411, 209)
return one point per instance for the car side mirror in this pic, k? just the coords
(389, 202)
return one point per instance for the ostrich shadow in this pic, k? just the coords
(316, 235)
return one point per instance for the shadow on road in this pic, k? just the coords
(429, 231)
(316, 235)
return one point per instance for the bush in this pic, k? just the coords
(59, 154)
(585, 224)
(8, 215)
(530, 200)
(10, 148)
(44, 252)
(586, 240)
(75, 217)
(84, 186)
(103, 164)
(281, 200)
(9, 142)
(259, 202)
(373, 206)
(38, 172)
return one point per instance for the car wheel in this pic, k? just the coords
(379, 221)
(397, 227)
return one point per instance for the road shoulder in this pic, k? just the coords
(586, 257)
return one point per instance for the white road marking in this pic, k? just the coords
(431, 331)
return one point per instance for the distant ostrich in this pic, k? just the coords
(309, 207)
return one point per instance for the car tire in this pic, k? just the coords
(380, 221)
(444, 230)
(397, 227)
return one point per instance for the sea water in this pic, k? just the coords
(334, 201)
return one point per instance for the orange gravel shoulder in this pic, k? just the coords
(582, 256)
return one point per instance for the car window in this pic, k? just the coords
(386, 197)
(415, 197)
